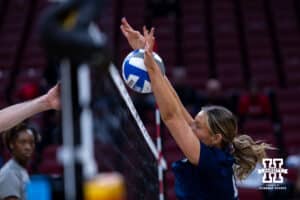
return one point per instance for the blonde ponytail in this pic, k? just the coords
(245, 150)
(247, 153)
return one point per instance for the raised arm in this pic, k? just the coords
(170, 108)
(137, 41)
(15, 114)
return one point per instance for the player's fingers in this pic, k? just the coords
(147, 51)
(125, 33)
(148, 48)
(125, 23)
(145, 30)
(128, 30)
(151, 38)
(151, 32)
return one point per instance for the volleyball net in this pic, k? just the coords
(122, 143)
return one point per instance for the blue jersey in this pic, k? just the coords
(212, 179)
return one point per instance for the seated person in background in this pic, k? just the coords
(254, 103)
(20, 141)
(215, 96)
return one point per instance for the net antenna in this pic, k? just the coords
(160, 153)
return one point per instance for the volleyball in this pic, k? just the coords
(135, 73)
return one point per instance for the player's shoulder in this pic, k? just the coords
(212, 158)
(8, 170)
(7, 176)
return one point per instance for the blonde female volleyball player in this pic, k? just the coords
(215, 153)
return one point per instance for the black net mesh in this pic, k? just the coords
(119, 143)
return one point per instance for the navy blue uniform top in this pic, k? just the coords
(212, 179)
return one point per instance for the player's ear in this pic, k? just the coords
(218, 138)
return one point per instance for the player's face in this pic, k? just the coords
(23, 147)
(200, 128)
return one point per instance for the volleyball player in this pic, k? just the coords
(215, 153)
(15, 114)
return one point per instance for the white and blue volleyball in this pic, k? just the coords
(135, 73)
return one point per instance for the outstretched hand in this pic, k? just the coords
(149, 39)
(135, 39)
(53, 97)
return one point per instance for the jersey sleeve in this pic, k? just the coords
(9, 185)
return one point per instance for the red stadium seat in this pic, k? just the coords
(250, 194)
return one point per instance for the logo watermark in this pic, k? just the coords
(272, 174)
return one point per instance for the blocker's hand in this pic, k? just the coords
(53, 97)
(148, 58)
(135, 39)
